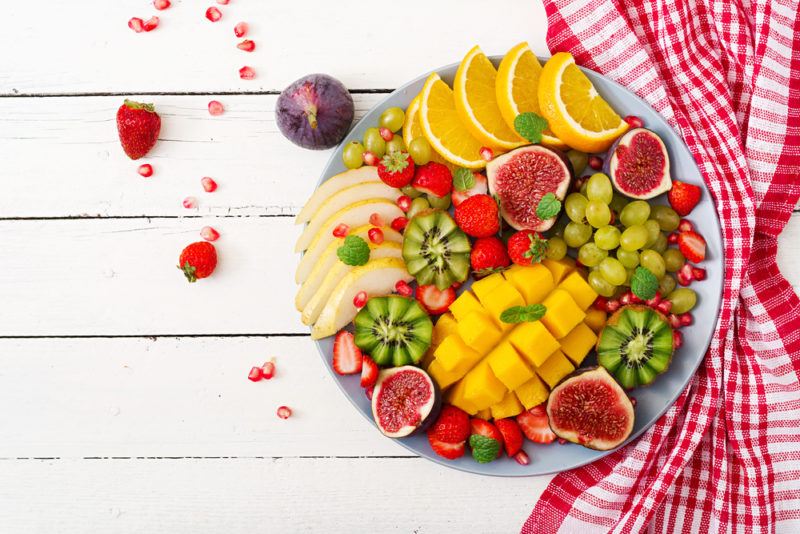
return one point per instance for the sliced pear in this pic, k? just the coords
(341, 199)
(352, 215)
(333, 184)
(376, 278)
(329, 259)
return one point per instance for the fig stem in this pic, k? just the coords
(311, 115)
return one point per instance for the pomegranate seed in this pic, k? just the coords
(215, 108)
(684, 275)
(672, 238)
(399, 224)
(223, 2)
(209, 234)
(376, 220)
(151, 24)
(403, 288)
(634, 121)
(386, 133)
(612, 306)
(635, 299)
(664, 306)
(208, 183)
(562, 441)
(161, 4)
(189, 203)
(368, 392)
(360, 299)
(677, 339)
(247, 73)
(698, 273)
(685, 226)
(247, 45)
(255, 374)
(284, 412)
(625, 299)
(456, 285)
(600, 303)
(370, 159)
(145, 170)
(522, 458)
(486, 153)
(633, 401)
(404, 203)
(653, 302)
(213, 14)
(268, 369)
(577, 184)
(596, 162)
(375, 235)
(341, 230)
(674, 320)
(136, 24)
(686, 319)
(240, 30)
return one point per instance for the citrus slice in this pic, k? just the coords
(574, 110)
(476, 102)
(443, 128)
(517, 89)
(412, 128)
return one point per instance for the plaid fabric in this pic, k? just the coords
(726, 456)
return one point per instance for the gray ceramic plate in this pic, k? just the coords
(652, 401)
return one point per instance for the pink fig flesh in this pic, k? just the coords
(403, 400)
(639, 165)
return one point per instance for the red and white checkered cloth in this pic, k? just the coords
(726, 456)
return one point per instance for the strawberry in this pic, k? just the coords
(480, 187)
(488, 255)
(535, 425)
(478, 216)
(526, 247)
(452, 426)
(347, 358)
(692, 246)
(487, 429)
(396, 169)
(512, 434)
(435, 301)
(198, 260)
(451, 451)
(138, 126)
(434, 179)
(369, 372)
(683, 197)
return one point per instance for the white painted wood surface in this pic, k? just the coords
(125, 401)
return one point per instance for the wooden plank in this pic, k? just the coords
(89, 48)
(246, 495)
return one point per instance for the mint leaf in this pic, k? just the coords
(463, 179)
(530, 126)
(548, 207)
(484, 449)
(644, 284)
(354, 251)
(523, 314)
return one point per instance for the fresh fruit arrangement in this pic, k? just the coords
(499, 262)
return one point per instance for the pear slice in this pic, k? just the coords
(342, 199)
(376, 277)
(329, 259)
(311, 312)
(352, 215)
(332, 185)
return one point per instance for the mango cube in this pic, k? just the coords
(533, 341)
(563, 314)
(482, 388)
(484, 414)
(577, 344)
(502, 297)
(595, 319)
(508, 366)
(483, 287)
(559, 268)
(442, 376)
(532, 393)
(445, 326)
(508, 407)
(556, 367)
(456, 356)
(533, 283)
(479, 332)
(581, 292)
(456, 397)
(464, 305)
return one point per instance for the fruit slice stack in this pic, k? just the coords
(496, 369)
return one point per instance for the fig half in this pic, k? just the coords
(404, 400)
(639, 164)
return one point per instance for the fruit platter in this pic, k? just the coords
(511, 265)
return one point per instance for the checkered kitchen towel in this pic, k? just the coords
(726, 456)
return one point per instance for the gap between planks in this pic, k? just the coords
(268, 92)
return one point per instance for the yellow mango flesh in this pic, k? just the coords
(455, 355)
(533, 341)
(464, 304)
(508, 366)
(562, 315)
(559, 268)
(508, 407)
(502, 297)
(580, 290)
(479, 331)
(577, 344)
(556, 367)
(534, 283)
(595, 319)
(482, 388)
(532, 393)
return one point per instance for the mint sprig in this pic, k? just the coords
(548, 207)
(463, 179)
(644, 283)
(484, 449)
(523, 314)
(354, 251)
(530, 126)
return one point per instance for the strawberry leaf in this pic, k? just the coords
(644, 283)
(548, 207)
(463, 179)
(523, 314)
(530, 126)
(354, 251)
(537, 248)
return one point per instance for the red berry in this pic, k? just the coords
(487, 429)
(341, 230)
(654, 302)
(434, 179)
(284, 412)
(625, 298)
(535, 425)
(683, 197)
(209, 185)
(402, 288)
(223, 2)
(672, 238)
(664, 306)
(404, 203)
(488, 255)
(452, 425)
(240, 30)
(634, 121)
(268, 369)
(677, 339)
(369, 372)
(685, 226)
(368, 392)
(522, 458)
(213, 14)
(209, 234)
(692, 246)
(247, 45)
(478, 216)
(370, 159)
(375, 235)
(698, 273)
(612, 306)
(686, 318)
(600, 303)
(396, 169)
(480, 187)
(255, 374)
(451, 451)
(486, 153)
(145, 170)
(161, 4)
(684, 275)
(247, 73)
(596, 162)
(136, 24)
(360, 299)
(526, 247)
(674, 320)
(138, 126)
(347, 357)
(190, 203)
(376, 220)
(386, 133)
(512, 435)
(215, 108)
(399, 224)
(435, 301)
(198, 260)
(151, 24)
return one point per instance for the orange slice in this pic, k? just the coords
(412, 128)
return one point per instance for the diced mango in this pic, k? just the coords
(562, 313)
(533, 341)
(455, 396)
(581, 292)
(508, 365)
(427, 358)
(502, 297)
(484, 414)
(532, 393)
(479, 332)
(442, 376)
(445, 325)
(464, 304)
(483, 287)
(508, 407)
(559, 268)
(533, 283)
(456, 356)
(482, 388)
(556, 367)
(577, 344)
(595, 319)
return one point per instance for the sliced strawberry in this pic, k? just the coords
(692, 246)
(451, 451)
(452, 425)
(485, 428)
(683, 197)
(512, 435)
(434, 179)
(369, 372)
(347, 358)
(435, 301)
(480, 187)
(535, 425)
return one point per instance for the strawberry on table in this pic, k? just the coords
(488, 255)
(526, 247)
(683, 197)
(535, 425)
(512, 435)
(435, 301)
(396, 169)
(434, 179)
(451, 451)
(198, 260)
(692, 246)
(478, 216)
(138, 126)
(452, 426)
(347, 357)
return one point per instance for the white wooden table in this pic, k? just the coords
(124, 403)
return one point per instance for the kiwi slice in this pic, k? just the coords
(635, 345)
(435, 249)
(394, 330)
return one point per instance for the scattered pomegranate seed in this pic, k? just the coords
(625, 299)
(376, 220)
(368, 392)
(341, 230)
(223, 2)
(677, 339)
(522, 458)
(633, 400)
(208, 183)
(284, 412)
(654, 302)
(664, 306)
(672, 238)
(360, 299)
(685, 275)
(698, 273)
(268, 369)
(136, 24)
(213, 14)
(240, 30)
(247, 73)
(674, 320)
(215, 108)
(209, 234)
(386, 133)
(247, 45)
(255, 374)
(685, 226)
(596, 162)
(634, 121)
(399, 224)
(612, 306)
(456, 285)
(686, 319)
(151, 24)
(161, 4)
(375, 235)
(189, 203)
(562, 441)
(370, 158)
(403, 288)
(486, 153)
(145, 170)
(600, 303)
(404, 203)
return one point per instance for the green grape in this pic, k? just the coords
(558, 227)
(633, 238)
(395, 145)
(628, 276)
(668, 219)
(441, 203)
(618, 202)
(353, 155)
(556, 248)
(420, 150)
(653, 262)
(613, 271)
(661, 244)
(683, 299)
(575, 206)
(635, 213)
(409, 191)
(584, 188)
(591, 255)
(667, 284)
(597, 213)
(628, 258)
(417, 205)
(601, 285)
(607, 237)
(653, 232)
(576, 234)
(374, 143)
(599, 188)
(673, 259)
(579, 161)
(392, 118)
